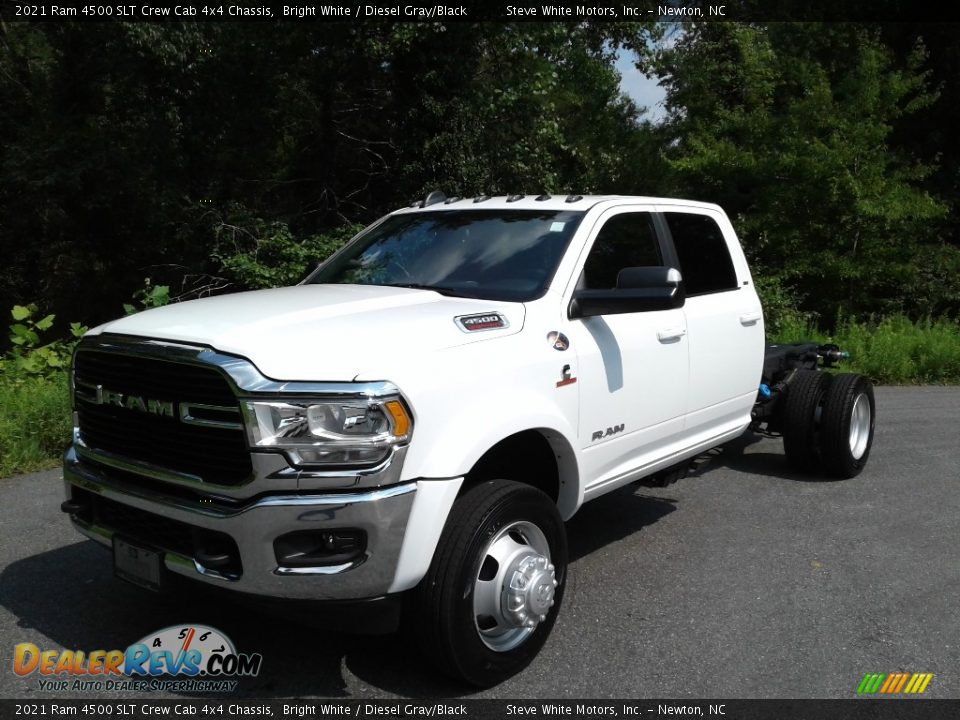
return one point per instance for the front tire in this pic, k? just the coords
(494, 588)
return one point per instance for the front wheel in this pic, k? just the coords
(494, 588)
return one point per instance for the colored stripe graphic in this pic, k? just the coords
(888, 682)
(900, 682)
(894, 683)
(918, 683)
(870, 683)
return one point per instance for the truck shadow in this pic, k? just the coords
(612, 517)
(68, 598)
(765, 458)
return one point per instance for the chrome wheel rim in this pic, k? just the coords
(859, 426)
(515, 586)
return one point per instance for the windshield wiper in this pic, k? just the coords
(448, 291)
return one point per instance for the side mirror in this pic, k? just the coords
(639, 289)
(644, 278)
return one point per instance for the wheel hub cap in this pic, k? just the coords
(859, 426)
(529, 593)
(515, 586)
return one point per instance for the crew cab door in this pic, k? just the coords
(724, 321)
(632, 366)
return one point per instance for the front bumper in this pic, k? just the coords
(253, 524)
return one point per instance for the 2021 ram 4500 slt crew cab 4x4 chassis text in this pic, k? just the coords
(417, 418)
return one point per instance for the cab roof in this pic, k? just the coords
(437, 201)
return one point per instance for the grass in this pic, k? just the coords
(891, 351)
(35, 423)
(35, 412)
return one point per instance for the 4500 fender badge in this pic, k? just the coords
(483, 321)
(600, 434)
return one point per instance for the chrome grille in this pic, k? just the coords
(213, 454)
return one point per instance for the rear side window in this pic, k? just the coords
(702, 250)
(625, 240)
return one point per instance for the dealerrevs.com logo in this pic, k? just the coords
(194, 658)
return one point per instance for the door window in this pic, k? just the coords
(702, 251)
(625, 240)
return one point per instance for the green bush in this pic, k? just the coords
(256, 254)
(147, 297)
(779, 304)
(892, 350)
(35, 422)
(27, 357)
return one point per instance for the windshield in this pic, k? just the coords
(487, 254)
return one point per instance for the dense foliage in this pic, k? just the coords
(34, 393)
(142, 164)
(790, 127)
(191, 153)
(214, 157)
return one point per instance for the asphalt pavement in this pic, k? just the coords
(746, 580)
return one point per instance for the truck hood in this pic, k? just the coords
(321, 332)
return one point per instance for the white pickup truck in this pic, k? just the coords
(413, 423)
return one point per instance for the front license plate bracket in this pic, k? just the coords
(137, 564)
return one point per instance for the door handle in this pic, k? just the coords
(669, 334)
(750, 318)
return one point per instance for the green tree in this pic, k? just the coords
(930, 135)
(128, 148)
(788, 126)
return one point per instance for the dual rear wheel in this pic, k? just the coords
(828, 423)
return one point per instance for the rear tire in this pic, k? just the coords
(804, 399)
(495, 585)
(847, 425)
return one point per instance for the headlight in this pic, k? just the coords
(328, 432)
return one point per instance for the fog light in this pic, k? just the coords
(320, 548)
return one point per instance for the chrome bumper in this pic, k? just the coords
(254, 524)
